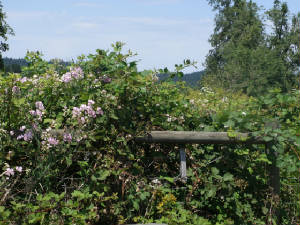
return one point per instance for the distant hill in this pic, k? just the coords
(13, 65)
(191, 79)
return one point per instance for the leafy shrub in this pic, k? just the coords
(68, 155)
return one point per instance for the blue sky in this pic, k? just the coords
(162, 32)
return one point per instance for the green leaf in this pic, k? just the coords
(264, 210)
(103, 174)
(214, 171)
(228, 177)
(136, 205)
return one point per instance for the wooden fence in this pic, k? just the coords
(191, 137)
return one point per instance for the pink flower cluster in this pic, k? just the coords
(67, 137)
(27, 136)
(23, 79)
(39, 110)
(15, 90)
(52, 141)
(75, 73)
(9, 172)
(86, 110)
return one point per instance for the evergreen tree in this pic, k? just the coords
(5, 30)
(238, 37)
(244, 58)
(284, 44)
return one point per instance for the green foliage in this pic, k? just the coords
(5, 30)
(244, 57)
(68, 156)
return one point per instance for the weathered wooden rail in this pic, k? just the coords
(192, 137)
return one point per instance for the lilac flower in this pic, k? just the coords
(39, 105)
(91, 113)
(22, 128)
(39, 113)
(67, 137)
(76, 112)
(9, 172)
(77, 72)
(91, 102)
(19, 169)
(28, 135)
(11, 133)
(52, 141)
(15, 89)
(24, 79)
(32, 112)
(82, 119)
(67, 77)
(83, 107)
(99, 111)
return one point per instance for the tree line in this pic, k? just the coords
(245, 55)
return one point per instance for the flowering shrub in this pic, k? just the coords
(68, 156)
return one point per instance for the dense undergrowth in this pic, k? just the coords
(68, 155)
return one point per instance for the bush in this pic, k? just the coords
(68, 155)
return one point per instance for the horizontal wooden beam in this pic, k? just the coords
(194, 137)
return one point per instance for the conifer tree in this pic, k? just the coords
(244, 57)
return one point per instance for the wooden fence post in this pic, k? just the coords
(183, 164)
(273, 170)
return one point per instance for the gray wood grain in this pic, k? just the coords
(183, 165)
(185, 137)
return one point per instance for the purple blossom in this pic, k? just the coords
(28, 135)
(15, 89)
(84, 107)
(52, 141)
(67, 137)
(22, 128)
(11, 133)
(39, 105)
(67, 77)
(82, 119)
(39, 113)
(77, 72)
(32, 112)
(19, 169)
(91, 112)
(9, 172)
(91, 102)
(76, 112)
(24, 79)
(99, 111)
